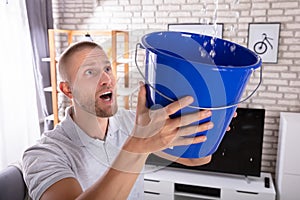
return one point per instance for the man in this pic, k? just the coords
(98, 151)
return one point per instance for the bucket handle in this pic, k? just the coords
(139, 45)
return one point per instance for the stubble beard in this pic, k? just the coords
(94, 107)
(99, 112)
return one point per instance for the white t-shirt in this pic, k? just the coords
(67, 151)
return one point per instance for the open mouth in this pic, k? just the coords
(106, 96)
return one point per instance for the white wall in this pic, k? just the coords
(280, 90)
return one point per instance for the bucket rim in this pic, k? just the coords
(253, 66)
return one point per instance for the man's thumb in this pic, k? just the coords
(141, 104)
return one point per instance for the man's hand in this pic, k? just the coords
(234, 116)
(155, 130)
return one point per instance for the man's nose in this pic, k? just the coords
(105, 79)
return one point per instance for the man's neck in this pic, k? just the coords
(95, 127)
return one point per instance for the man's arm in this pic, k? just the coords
(153, 132)
(184, 161)
(116, 183)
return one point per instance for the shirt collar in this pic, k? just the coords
(77, 135)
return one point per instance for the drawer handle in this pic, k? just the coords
(155, 193)
(151, 180)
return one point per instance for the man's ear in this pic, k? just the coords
(65, 88)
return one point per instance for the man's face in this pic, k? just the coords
(93, 83)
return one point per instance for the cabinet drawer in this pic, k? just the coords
(156, 196)
(160, 187)
(246, 195)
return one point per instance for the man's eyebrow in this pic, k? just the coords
(89, 63)
(107, 62)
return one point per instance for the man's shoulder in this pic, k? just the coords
(55, 135)
(51, 142)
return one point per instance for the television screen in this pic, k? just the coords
(240, 151)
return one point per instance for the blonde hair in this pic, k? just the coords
(63, 63)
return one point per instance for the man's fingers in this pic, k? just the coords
(193, 117)
(235, 114)
(188, 130)
(141, 104)
(177, 105)
(191, 140)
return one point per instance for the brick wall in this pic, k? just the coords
(280, 89)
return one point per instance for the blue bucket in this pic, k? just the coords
(213, 71)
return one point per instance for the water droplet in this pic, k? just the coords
(212, 41)
(203, 53)
(231, 29)
(237, 14)
(204, 10)
(204, 21)
(235, 2)
(232, 48)
(204, 43)
(212, 53)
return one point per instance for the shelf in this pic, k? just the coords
(124, 61)
(121, 91)
(49, 59)
(48, 89)
(194, 196)
(50, 117)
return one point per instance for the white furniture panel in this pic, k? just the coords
(181, 184)
(158, 196)
(288, 159)
(159, 186)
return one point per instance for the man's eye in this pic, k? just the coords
(107, 69)
(88, 72)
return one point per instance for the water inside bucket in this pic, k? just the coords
(180, 64)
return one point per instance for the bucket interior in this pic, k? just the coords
(200, 49)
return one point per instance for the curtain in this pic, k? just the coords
(40, 19)
(19, 121)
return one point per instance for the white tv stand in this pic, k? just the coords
(183, 184)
